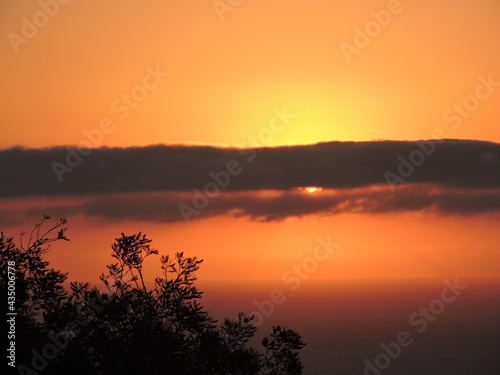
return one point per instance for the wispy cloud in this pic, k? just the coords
(269, 205)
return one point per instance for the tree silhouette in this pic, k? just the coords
(129, 328)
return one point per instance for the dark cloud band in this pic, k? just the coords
(66, 171)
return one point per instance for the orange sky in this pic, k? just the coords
(227, 76)
(383, 246)
(225, 80)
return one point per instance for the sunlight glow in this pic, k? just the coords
(312, 189)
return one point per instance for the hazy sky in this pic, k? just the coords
(226, 76)
(259, 73)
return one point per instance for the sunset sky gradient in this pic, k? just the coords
(247, 80)
(227, 79)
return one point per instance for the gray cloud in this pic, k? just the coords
(272, 205)
(454, 163)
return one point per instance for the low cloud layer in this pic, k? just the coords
(266, 205)
(62, 171)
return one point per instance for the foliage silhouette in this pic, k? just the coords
(129, 328)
